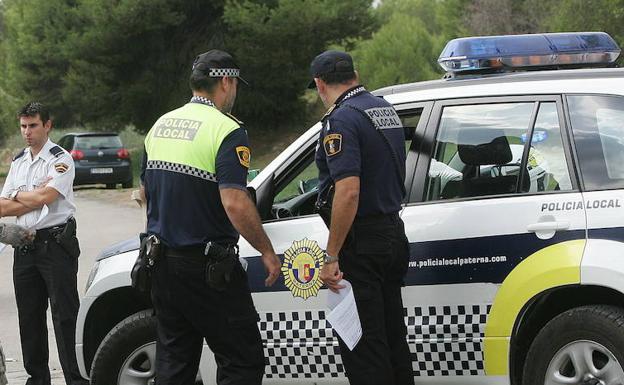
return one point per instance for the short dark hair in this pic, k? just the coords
(200, 82)
(338, 77)
(32, 109)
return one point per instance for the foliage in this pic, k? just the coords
(133, 57)
(35, 58)
(585, 15)
(107, 65)
(275, 41)
(411, 37)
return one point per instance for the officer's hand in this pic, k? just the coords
(272, 265)
(331, 275)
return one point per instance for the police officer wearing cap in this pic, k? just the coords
(361, 161)
(38, 190)
(194, 179)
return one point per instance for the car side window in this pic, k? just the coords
(546, 163)
(298, 196)
(488, 149)
(598, 135)
(477, 150)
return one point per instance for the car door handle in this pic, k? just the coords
(548, 226)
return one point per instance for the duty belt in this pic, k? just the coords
(199, 251)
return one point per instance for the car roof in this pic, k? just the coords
(596, 80)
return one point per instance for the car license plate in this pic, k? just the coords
(107, 170)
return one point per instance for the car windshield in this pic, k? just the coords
(97, 142)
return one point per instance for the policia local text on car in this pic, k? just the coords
(197, 204)
(361, 161)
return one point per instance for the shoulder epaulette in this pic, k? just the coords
(19, 154)
(56, 151)
(234, 118)
(329, 111)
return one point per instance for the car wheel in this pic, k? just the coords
(583, 346)
(127, 354)
(111, 185)
(127, 184)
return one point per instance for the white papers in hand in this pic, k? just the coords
(343, 315)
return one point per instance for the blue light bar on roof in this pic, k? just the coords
(498, 53)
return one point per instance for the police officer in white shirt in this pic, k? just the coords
(38, 191)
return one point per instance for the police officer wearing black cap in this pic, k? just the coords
(194, 179)
(361, 161)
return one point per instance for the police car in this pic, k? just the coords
(515, 216)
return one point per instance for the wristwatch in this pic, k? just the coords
(13, 195)
(329, 259)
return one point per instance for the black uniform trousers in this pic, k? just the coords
(41, 272)
(374, 259)
(189, 311)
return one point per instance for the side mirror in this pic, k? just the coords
(264, 197)
(251, 174)
(252, 194)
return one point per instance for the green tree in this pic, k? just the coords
(131, 60)
(34, 61)
(584, 15)
(275, 41)
(406, 47)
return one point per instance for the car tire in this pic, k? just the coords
(131, 344)
(592, 334)
(128, 184)
(111, 186)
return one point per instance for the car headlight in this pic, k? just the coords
(92, 275)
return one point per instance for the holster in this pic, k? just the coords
(149, 254)
(67, 238)
(324, 206)
(220, 266)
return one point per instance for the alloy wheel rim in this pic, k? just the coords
(584, 363)
(140, 366)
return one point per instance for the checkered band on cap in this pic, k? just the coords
(181, 169)
(221, 72)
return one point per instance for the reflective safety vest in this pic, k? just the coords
(190, 136)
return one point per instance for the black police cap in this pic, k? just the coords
(216, 63)
(330, 62)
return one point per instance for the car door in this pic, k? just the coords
(488, 192)
(299, 343)
(596, 122)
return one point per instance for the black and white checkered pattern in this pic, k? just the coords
(202, 100)
(300, 344)
(221, 72)
(443, 340)
(181, 169)
(353, 92)
(447, 340)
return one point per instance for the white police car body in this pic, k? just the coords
(514, 213)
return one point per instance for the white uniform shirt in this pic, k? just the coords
(27, 173)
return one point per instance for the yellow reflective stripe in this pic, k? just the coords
(190, 135)
(553, 266)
